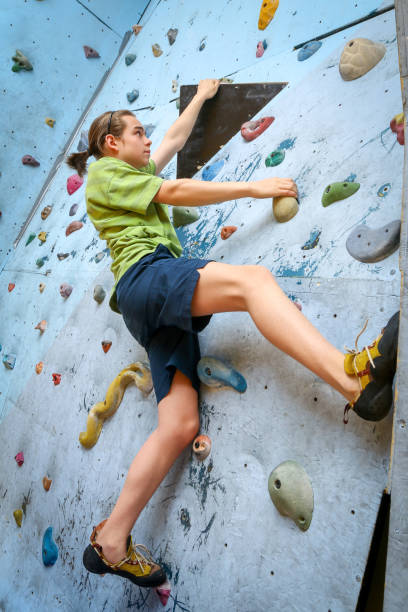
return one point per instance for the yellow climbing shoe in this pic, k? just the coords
(374, 367)
(138, 565)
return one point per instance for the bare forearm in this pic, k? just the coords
(182, 127)
(189, 192)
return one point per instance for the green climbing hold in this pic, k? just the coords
(30, 239)
(291, 492)
(338, 191)
(184, 215)
(275, 158)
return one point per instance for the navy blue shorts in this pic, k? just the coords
(154, 296)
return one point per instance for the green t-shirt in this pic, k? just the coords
(119, 202)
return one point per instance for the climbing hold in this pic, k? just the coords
(106, 344)
(136, 29)
(41, 287)
(359, 56)
(149, 128)
(62, 256)
(65, 290)
(42, 236)
(39, 367)
(46, 483)
(313, 240)
(42, 326)
(284, 208)
(130, 58)
(99, 256)
(308, 50)
(30, 239)
(45, 212)
(227, 231)
(49, 548)
(215, 373)
(19, 458)
(73, 210)
(21, 62)
(9, 361)
(384, 190)
(202, 44)
(73, 227)
(74, 182)
(226, 80)
(397, 126)
(99, 294)
(41, 261)
(56, 379)
(18, 516)
(371, 245)
(172, 35)
(163, 591)
(89, 52)
(275, 158)
(338, 191)
(202, 447)
(50, 121)
(178, 103)
(11, 287)
(156, 50)
(212, 170)
(184, 215)
(174, 85)
(291, 492)
(29, 160)
(260, 48)
(83, 142)
(252, 129)
(138, 373)
(132, 95)
(267, 12)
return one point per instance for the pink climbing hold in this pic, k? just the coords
(397, 126)
(89, 52)
(20, 458)
(163, 591)
(252, 129)
(260, 49)
(73, 227)
(29, 160)
(74, 182)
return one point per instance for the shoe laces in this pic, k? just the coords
(140, 554)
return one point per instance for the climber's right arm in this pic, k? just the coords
(190, 192)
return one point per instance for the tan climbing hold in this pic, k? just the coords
(139, 374)
(45, 212)
(18, 516)
(42, 326)
(50, 121)
(41, 287)
(359, 56)
(42, 236)
(136, 29)
(202, 447)
(39, 367)
(46, 483)
(157, 52)
(285, 208)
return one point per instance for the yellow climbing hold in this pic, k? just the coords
(267, 13)
(18, 516)
(49, 121)
(42, 236)
(138, 373)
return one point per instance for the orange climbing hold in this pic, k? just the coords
(11, 286)
(106, 344)
(267, 13)
(42, 326)
(56, 379)
(227, 231)
(46, 483)
(136, 29)
(73, 227)
(39, 367)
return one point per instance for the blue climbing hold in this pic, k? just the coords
(149, 129)
(313, 240)
(132, 95)
(384, 190)
(308, 50)
(211, 171)
(49, 548)
(41, 261)
(130, 58)
(215, 373)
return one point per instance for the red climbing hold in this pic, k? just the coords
(252, 129)
(73, 227)
(106, 344)
(163, 591)
(20, 458)
(397, 126)
(29, 160)
(56, 379)
(11, 286)
(89, 52)
(227, 231)
(74, 182)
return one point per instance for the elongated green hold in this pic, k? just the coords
(291, 492)
(338, 191)
(184, 215)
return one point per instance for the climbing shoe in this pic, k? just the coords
(374, 367)
(138, 565)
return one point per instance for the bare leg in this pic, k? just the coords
(177, 427)
(226, 288)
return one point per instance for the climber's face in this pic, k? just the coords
(132, 147)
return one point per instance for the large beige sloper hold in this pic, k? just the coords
(284, 208)
(359, 56)
(291, 492)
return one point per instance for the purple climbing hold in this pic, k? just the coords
(172, 35)
(83, 142)
(73, 210)
(89, 52)
(62, 256)
(65, 290)
(29, 160)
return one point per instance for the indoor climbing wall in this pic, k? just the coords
(213, 518)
